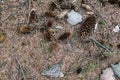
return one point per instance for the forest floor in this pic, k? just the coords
(26, 55)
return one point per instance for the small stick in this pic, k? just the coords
(20, 68)
(99, 44)
(57, 5)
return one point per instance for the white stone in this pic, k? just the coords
(108, 74)
(74, 18)
(116, 29)
(61, 74)
(116, 69)
(53, 71)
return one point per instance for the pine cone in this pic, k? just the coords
(87, 27)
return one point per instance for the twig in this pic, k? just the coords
(99, 44)
(57, 6)
(20, 66)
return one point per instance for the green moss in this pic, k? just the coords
(90, 66)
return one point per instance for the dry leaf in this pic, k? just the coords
(64, 36)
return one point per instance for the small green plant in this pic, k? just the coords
(101, 22)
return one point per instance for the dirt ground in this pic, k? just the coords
(26, 55)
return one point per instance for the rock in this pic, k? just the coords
(116, 69)
(108, 74)
(116, 29)
(53, 71)
(74, 18)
